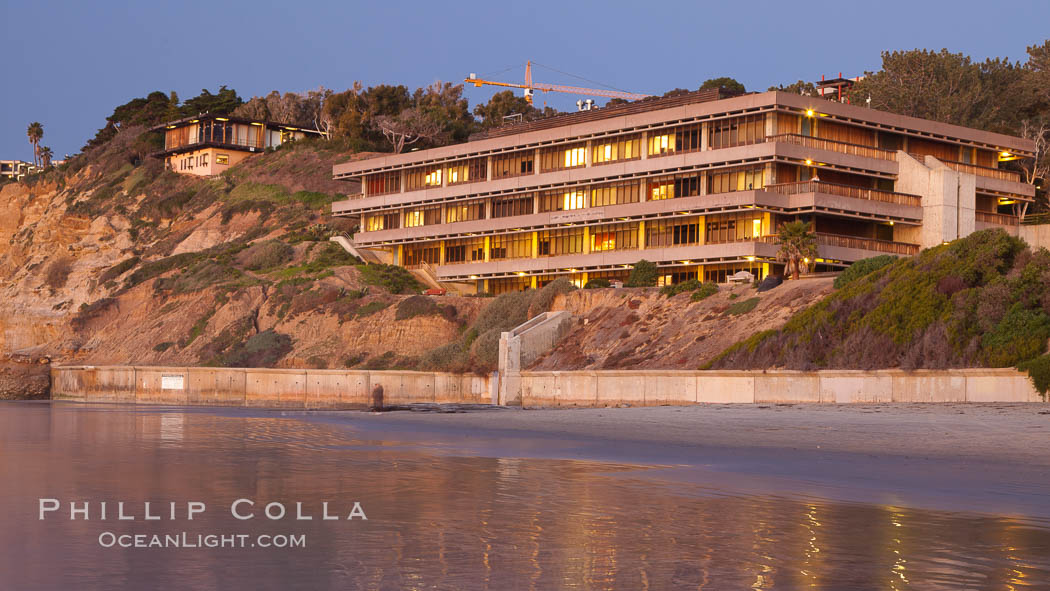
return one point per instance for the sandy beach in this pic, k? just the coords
(960, 457)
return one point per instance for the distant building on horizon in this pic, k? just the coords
(206, 145)
(699, 184)
(17, 170)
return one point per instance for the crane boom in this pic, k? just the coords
(531, 86)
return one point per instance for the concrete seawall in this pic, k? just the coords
(656, 387)
(337, 389)
(264, 388)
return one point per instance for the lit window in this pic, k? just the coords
(222, 159)
(575, 157)
(573, 200)
(658, 192)
(433, 179)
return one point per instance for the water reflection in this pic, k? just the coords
(450, 522)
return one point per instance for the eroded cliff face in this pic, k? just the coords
(120, 264)
(643, 329)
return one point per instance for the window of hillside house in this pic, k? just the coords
(222, 159)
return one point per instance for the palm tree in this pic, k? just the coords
(35, 132)
(797, 243)
(45, 156)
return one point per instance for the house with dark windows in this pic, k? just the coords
(206, 145)
(698, 184)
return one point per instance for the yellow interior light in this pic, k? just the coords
(809, 162)
(891, 223)
(750, 258)
(809, 112)
(171, 127)
(1004, 154)
(221, 119)
(473, 276)
(259, 124)
(521, 273)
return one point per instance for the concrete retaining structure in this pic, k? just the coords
(265, 388)
(661, 387)
(524, 344)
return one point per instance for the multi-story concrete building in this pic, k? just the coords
(17, 170)
(698, 184)
(210, 144)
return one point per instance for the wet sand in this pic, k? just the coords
(986, 458)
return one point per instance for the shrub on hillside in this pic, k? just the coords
(598, 283)
(264, 349)
(643, 274)
(265, 255)
(543, 298)
(392, 278)
(417, 305)
(861, 268)
(770, 282)
(1039, 371)
(58, 272)
(704, 291)
(977, 301)
(117, 270)
(742, 307)
(680, 287)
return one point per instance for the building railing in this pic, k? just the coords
(853, 242)
(845, 191)
(867, 244)
(985, 171)
(1036, 219)
(996, 218)
(833, 146)
(246, 143)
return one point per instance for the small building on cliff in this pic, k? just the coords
(207, 144)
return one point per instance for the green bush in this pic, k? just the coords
(162, 347)
(392, 278)
(862, 268)
(118, 269)
(705, 291)
(266, 255)
(371, 308)
(417, 305)
(1039, 372)
(977, 301)
(680, 287)
(543, 299)
(742, 307)
(264, 349)
(643, 274)
(598, 283)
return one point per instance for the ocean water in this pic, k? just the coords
(438, 517)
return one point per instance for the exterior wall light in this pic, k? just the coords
(809, 112)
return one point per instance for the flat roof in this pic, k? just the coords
(231, 119)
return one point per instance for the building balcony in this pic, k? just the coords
(846, 191)
(984, 171)
(997, 219)
(833, 146)
(243, 144)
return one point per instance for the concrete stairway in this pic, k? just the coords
(523, 345)
(366, 255)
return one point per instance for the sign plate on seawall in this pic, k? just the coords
(577, 216)
(172, 383)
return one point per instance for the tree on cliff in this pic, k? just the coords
(221, 103)
(503, 104)
(725, 83)
(45, 156)
(944, 86)
(409, 127)
(797, 243)
(35, 132)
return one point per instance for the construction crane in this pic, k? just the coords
(530, 87)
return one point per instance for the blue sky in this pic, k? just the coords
(75, 61)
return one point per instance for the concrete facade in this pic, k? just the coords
(870, 182)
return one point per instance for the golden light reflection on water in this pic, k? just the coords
(442, 521)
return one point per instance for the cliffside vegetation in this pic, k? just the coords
(981, 301)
